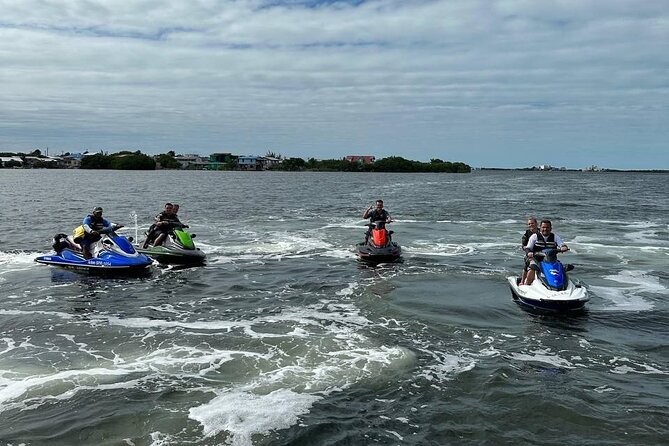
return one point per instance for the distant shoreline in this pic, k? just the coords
(527, 169)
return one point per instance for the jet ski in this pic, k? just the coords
(177, 249)
(112, 254)
(379, 247)
(552, 290)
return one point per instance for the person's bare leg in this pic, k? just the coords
(160, 239)
(530, 277)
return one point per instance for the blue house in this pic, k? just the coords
(249, 162)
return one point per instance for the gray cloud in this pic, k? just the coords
(570, 83)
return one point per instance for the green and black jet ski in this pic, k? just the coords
(177, 249)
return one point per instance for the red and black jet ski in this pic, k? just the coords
(378, 246)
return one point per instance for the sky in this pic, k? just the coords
(491, 83)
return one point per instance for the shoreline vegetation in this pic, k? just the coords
(127, 160)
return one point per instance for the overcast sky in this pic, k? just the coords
(508, 83)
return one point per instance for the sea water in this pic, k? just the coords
(285, 338)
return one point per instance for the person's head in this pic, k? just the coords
(532, 224)
(545, 227)
(97, 212)
(175, 208)
(379, 205)
(169, 207)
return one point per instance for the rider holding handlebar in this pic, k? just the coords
(376, 214)
(545, 239)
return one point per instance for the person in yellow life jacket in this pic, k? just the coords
(76, 237)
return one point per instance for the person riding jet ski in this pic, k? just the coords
(548, 287)
(95, 247)
(545, 239)
(376, 214)
(93, 225)
(378, 246)
(162, 226)
(173, 244)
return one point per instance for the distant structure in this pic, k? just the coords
(219, 160)
(362, 159)
(71, 160)
(269, 161)
(249, 162)
(192, 161)
(11, 161)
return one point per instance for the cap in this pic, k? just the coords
(97, 209)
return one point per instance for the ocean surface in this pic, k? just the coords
(284, 338)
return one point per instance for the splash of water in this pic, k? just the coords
(133, 217)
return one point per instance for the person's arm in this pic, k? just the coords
(86, 224)
(562, 247)
(530, 245)
(366, 213)
(107, 226)
(388, 217)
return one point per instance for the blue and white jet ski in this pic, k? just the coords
(112, 254)
(552, 290)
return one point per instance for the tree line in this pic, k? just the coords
(390, 164)
(127, 160)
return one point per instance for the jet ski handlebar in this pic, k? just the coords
(548, 254)
(378, 223)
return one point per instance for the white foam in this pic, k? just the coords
(629, 296)
(632, 367)
(604, 388)
(16, 261)
(10, 345)
(277, 245)
(544, 356)
(244, 414)
(46, 313)
(348, 291)
(399, 437)
(446, 366)
(640, 279)
(13, 389)
(623, 299)
(431, 248)
(644, 236)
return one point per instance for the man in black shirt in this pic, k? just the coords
(376, 213)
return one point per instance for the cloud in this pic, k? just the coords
(484, 82)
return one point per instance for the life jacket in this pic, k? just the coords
(78, 233)
(542, 244)
(526, 237)
(95, 224)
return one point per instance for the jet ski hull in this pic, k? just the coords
(69, 259)
(174, 256)
(538, 297)
(372, 254)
